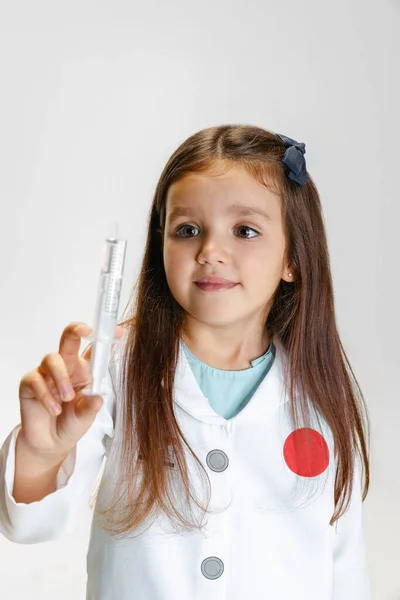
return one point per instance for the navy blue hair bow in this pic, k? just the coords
(294, 159)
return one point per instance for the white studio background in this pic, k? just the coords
(95, 96)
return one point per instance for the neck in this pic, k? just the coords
(223, 350)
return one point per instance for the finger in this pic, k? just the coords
(71, 338)
(35, 382)
(54, 366)
(87, 353)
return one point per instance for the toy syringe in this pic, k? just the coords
(106, 315)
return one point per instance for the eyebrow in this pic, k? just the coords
(239, 209)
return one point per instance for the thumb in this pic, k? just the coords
(87, 407)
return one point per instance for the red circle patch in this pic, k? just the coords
(306, 452)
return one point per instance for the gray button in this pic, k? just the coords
(217, 460)
(212, 567)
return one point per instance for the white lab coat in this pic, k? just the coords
(268, 536)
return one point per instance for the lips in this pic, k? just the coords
(215, 281)
(215, 287)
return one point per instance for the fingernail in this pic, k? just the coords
(67, 393)
(55, 409)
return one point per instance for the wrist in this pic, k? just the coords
(45, 458)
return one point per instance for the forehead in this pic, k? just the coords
(218, 191)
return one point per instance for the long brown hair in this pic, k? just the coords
(302, 317)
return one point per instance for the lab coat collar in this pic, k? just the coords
(269, 395)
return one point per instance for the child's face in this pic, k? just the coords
(248, 249)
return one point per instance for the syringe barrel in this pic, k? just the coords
(106, 314)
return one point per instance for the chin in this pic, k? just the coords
(214, 318)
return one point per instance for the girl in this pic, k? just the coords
(234, 428)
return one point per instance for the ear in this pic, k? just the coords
(289, 274)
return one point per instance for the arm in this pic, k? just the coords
(350, 561)
(66, 486)
(35, 476)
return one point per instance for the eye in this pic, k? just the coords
(248, 229)
(183, 227)
(240, 227)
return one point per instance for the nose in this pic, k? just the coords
(213, 250)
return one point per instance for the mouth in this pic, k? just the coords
(214, 279)
(207, 286)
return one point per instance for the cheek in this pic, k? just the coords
(169, 255)
(261, 269)
(261, 260)
(175, 263)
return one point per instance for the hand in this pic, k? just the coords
(54, 412)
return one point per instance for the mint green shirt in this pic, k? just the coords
(228, 392)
